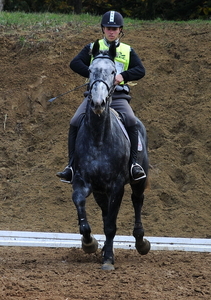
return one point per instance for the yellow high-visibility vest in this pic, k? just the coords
(122, 58)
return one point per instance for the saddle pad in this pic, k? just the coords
(124, 130)
(140, 148)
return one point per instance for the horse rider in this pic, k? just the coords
(129, 67)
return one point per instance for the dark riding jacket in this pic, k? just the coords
(81, 63)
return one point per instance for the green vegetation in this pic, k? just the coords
(45, 20)
(48, 20)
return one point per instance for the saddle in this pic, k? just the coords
(121, 124)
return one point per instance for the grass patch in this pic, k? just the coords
(45, 20)
(42, 21)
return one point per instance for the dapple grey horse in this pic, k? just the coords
(101, 161)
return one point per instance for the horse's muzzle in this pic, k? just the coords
(98, 107)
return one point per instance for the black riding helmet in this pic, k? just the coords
(112, 19)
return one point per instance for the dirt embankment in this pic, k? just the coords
(173, 101)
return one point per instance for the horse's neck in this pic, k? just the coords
(99, 126)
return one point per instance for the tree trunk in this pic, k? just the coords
(2, 4)
(77, 6)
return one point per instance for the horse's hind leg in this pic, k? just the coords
(110, 211)
(142, 245)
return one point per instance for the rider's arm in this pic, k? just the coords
(81, 62)
(135, 70)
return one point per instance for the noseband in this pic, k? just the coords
(110, 90)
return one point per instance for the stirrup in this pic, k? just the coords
(143, 172)
(66, 181)
(62, 179)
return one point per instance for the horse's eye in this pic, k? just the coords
(112, 72)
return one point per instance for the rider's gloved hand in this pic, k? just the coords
(118, 79)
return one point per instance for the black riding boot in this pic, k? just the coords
(67, 174)
(136, 171)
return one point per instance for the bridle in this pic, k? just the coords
(109, 89)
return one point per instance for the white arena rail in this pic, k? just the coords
(68, 240)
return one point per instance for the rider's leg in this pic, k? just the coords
(137, 172)
(67, 173)
(120, 103)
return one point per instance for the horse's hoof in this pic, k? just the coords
(108, 266)
(142, 246)
(90, 247)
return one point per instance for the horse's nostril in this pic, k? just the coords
(92, 104)
(98, 108)
(103, 103)
(98, 104)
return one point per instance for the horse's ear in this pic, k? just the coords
(112, 50)
(95, 49)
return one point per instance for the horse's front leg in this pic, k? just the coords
(142, 245)
(89, 243)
